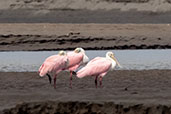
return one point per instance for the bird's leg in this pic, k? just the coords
(100, 81)
(71, 79)
(55, 81)
(74, 73)
(96, 81)
(50, 79)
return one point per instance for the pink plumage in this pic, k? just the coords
(96, 67)
(63, 61)
(53, 65)
(75, 60)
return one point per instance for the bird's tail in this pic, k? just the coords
(43, 70)
(81, 74)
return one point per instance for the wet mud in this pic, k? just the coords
(38, 37)
(52, 107)
(123, 91)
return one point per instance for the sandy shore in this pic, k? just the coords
(143, 90)
(22, 37)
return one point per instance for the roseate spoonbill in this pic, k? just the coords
(53, 65)
(98, 67)
(76, 58)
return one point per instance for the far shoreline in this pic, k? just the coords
(48, 37)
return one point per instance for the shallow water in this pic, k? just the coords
(129, 59)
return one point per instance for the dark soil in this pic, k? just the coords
(123, 91)
(38, 37)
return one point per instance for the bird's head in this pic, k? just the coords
(85, 58)
(111, 55)
(62, 53)
(78, 50)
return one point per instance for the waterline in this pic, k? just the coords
(129, 59)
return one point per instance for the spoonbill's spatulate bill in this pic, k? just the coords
(99, 67)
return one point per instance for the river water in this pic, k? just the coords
(19, 61)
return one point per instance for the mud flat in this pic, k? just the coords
(85, 11)
(36, 37)
(123, 91)
(77, 107)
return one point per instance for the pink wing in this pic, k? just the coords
(53, 64)
(60, 64)
(47, 65)
(74, 60)
(93, 60)
(96, 67)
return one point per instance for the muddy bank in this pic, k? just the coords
(85, 11)
(52, 107)
(36, 37)
(122, 5)
(150, 88)
(64, 42)
(84, 16)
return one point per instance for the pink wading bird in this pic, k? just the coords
(76, 58)
(98, 67)
(53, 65)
